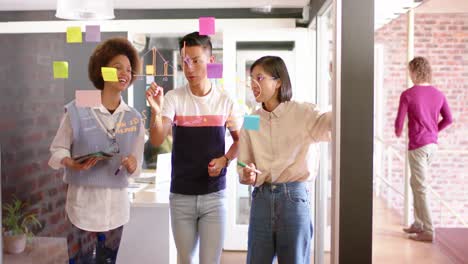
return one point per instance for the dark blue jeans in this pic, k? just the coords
(280, 224)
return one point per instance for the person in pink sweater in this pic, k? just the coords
(424, 104)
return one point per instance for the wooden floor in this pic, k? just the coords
(390, 244)
(453, 242)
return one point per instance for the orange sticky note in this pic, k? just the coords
(74, 35)
(86, 98)
(149, 70)
(109, 74)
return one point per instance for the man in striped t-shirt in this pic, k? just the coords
(199, 115)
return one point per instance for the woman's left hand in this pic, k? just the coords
(129, 163)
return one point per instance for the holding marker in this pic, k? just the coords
(120, 168)
(243, 165)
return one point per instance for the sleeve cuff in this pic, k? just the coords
(55, 161)
(137, 172)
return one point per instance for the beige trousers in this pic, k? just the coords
(419, 161)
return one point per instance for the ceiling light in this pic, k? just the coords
(85, 9)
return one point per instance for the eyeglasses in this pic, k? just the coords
(260, 78)
(197, 62)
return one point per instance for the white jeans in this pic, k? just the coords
(419, 161)
(198, 218)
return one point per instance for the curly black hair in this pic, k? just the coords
(105, 52)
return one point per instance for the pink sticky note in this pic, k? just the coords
(85, 98)
(215, 70)
(93, 33)
(206, 25)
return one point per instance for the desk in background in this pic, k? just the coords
(147, 237)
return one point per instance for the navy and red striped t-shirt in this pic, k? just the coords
(199, 130)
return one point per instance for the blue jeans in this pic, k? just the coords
(198, 217)
(280, 224)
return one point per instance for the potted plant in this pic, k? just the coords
(17, 226)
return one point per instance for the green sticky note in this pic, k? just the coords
(60, 70)
(109, 74)
(74, 35)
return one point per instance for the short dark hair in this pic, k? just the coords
(276, 67)
(421, 68)
(195, 39)
(105, 52)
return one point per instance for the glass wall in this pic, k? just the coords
(325, 65)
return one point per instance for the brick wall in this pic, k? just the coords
(443, 39)
(31, 105)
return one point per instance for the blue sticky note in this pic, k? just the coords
(215, 70)
(252, 122)
(93, 33)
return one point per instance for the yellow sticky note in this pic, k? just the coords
(149, 70)
(74, 35)
(109, 74)
(60, 70)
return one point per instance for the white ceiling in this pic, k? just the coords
(158, 4)
(387, 10)
(443, 6)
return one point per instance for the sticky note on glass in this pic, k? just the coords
(74, 35)
(215, 70)
(149, 79)
(85, 98)
(60, 70)
(109, 74)
(93, 33)
(252, 122)
(149, 70)
(206, 25)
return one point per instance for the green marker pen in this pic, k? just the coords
(243, 165)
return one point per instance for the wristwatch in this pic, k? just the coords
(227, 161)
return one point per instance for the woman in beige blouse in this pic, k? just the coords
(280, 220)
